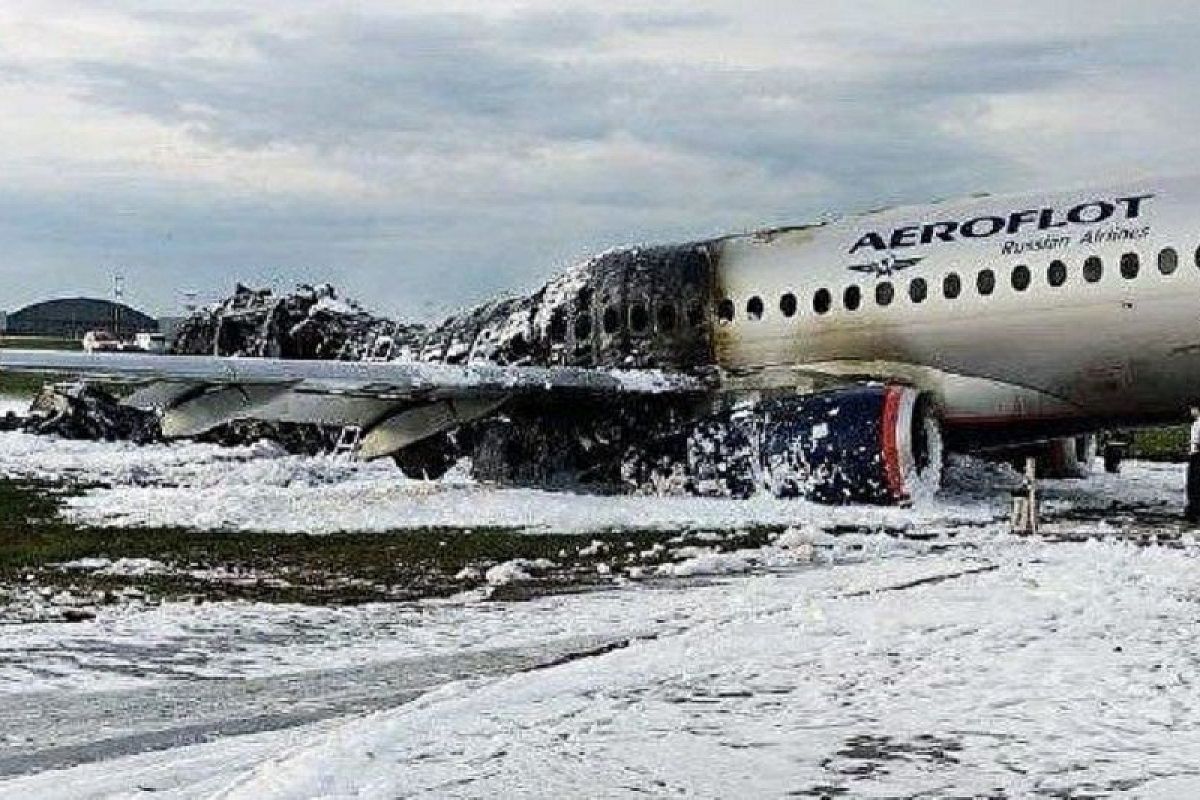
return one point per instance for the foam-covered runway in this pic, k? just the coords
(939, 656)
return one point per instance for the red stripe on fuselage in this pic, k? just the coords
(889, 446)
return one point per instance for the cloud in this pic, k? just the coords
(427, 159)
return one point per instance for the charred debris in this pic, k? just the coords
(310, 323)
(627, 308)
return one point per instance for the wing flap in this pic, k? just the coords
(216, 406)
(161, 394)
(420, 422)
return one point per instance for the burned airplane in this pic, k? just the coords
(837, 362)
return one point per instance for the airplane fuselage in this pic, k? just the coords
(1043, 313)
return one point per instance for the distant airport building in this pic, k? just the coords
(71, 318)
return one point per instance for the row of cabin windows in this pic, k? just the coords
(1021, 278)
(666, 319)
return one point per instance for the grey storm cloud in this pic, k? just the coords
(355, 79)
(482, 151)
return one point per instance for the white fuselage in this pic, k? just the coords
(1124, 347)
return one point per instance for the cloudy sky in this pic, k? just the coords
(425, 159)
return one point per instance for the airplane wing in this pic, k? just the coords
(395, 402)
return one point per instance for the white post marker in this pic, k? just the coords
(1024, 519)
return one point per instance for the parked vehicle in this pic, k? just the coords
(100, 341)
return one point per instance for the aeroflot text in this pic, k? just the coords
(1041, 219)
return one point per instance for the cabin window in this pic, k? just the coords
(612, 320)
(952, 286)
(822, 300)
(725, 311)
(852, 298)
(985, 282)
(639, 320)
(666, 318)
(788, 305)
(696, 314)
(1056, 273)
(583, 327)
(1020, 277)
(1168, 260)
(1093, 269)
(754, 308)
(884, 293)
(918, 290)
(1130, 266)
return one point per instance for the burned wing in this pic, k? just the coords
(394, 403)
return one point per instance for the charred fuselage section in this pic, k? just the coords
(631, 308)
(648, 307)
(634, 308)
(309, 323)
(637, 308)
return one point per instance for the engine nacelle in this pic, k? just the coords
(865, 444)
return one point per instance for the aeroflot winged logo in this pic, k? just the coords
(1046, 225)
(885, 267)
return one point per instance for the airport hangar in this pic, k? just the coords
(72, 317)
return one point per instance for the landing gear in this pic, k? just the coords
(1115, 451)
(1069, 457)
